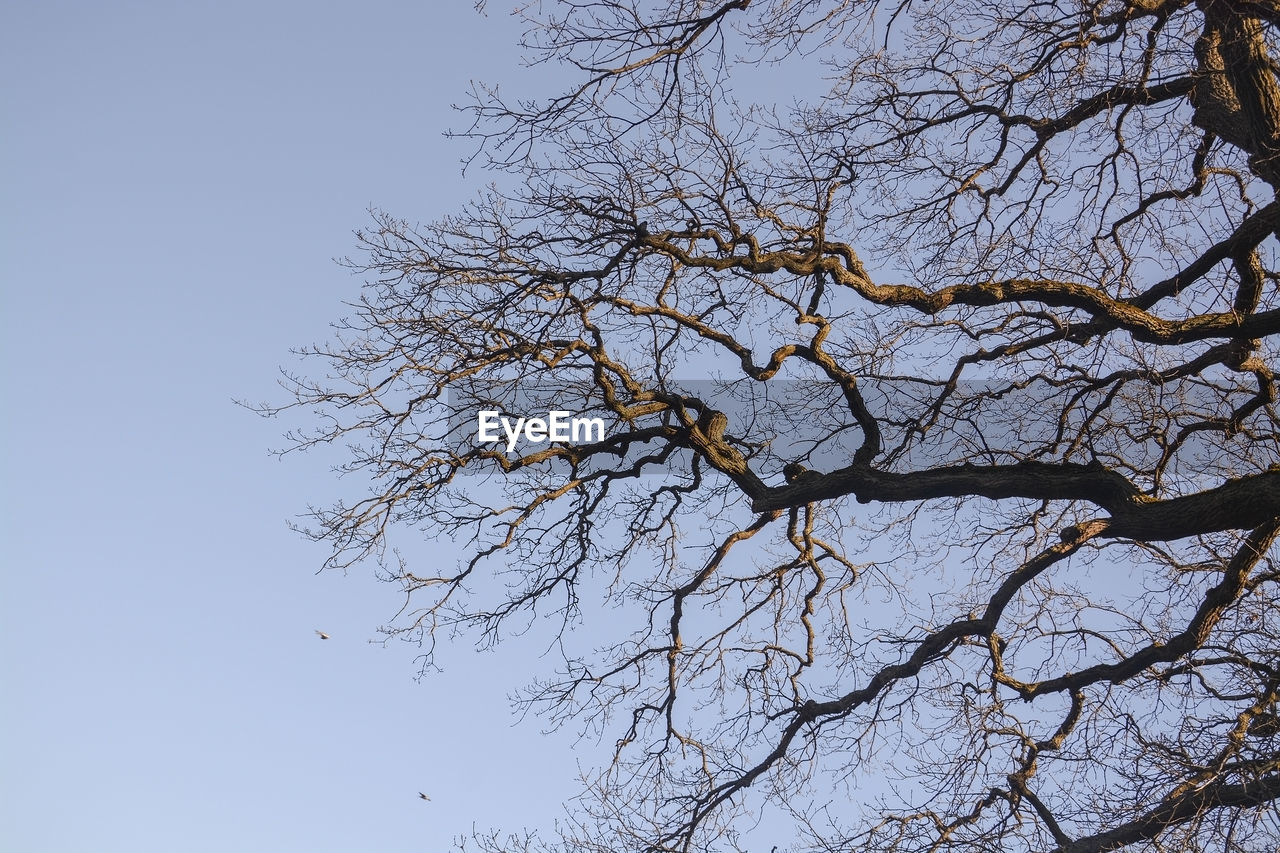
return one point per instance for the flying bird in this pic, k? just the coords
(322, 635)
(424, 796)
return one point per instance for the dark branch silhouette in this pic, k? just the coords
(936, 491)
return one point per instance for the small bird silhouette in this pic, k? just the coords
(322, 635)
(424, 796)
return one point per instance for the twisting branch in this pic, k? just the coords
(936, 433)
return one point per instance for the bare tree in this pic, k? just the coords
(940, 479)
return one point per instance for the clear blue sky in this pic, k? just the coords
(176, 179)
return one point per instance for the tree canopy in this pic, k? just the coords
(936, 503)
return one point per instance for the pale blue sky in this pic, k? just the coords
(176, 178)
